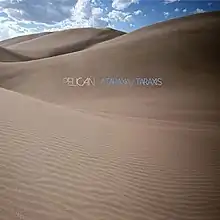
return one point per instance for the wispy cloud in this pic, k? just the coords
(170, 1)
(199, 10)
(123, 4)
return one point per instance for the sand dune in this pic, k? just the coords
(63, 42)
(108, 152)
(10, 56)
(62, 164)
(16, 40)
(187, 71)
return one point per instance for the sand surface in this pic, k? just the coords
(112, 152)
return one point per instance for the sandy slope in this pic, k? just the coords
(63, 42)
(113, 153)
(10, 56)
(189, 71)
(16, 40)
(61, 164)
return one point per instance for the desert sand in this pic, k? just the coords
(112, 152)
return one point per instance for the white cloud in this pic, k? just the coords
(13, 13)
(138, 12)
(170, 1)
(123, 4)
(6, 31)
(50, 11)
(9, 29)
(184, 10)
(83, 14)
(119, 16)
(22, 17)
(199, 10)
(97, 11)
(166, 14)
(176, 10)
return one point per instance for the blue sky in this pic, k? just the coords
(19, 17)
